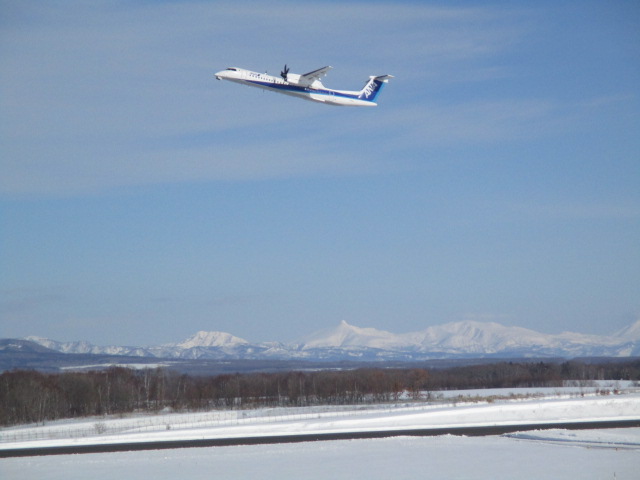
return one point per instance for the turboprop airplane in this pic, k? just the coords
(307, 86)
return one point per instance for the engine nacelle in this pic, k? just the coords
(294, 79)
(300, 81)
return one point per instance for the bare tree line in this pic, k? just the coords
(33, 397)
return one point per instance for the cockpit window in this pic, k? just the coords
(233, 69)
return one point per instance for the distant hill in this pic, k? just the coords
(476, 338)
(345, 342)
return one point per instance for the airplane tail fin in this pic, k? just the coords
(373, 87)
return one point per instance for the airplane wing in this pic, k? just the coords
(316, 74)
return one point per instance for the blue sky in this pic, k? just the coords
(142, 201)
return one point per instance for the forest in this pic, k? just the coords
(28, 396)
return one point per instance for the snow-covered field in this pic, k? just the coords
(613, 453)
(600, 454)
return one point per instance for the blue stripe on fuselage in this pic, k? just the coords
(304, 90)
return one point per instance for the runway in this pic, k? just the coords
(311, 437)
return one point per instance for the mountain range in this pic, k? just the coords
(467, 339)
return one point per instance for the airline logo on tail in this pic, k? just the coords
(373, 87)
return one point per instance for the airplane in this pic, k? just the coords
(307, 86)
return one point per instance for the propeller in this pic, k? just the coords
(284, 72)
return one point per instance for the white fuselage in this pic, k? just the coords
(295, 86)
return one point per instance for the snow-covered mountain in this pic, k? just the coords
(345, 336)
(210, 345)
(630, 333)
(458, 339)
(211, 339)
(476, 338)
(88, 348)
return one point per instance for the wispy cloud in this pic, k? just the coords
(581, 211)
(477, 122)
(486, 317)
(16, 302)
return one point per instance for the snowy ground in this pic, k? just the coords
(615, 456)
(532, 454)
